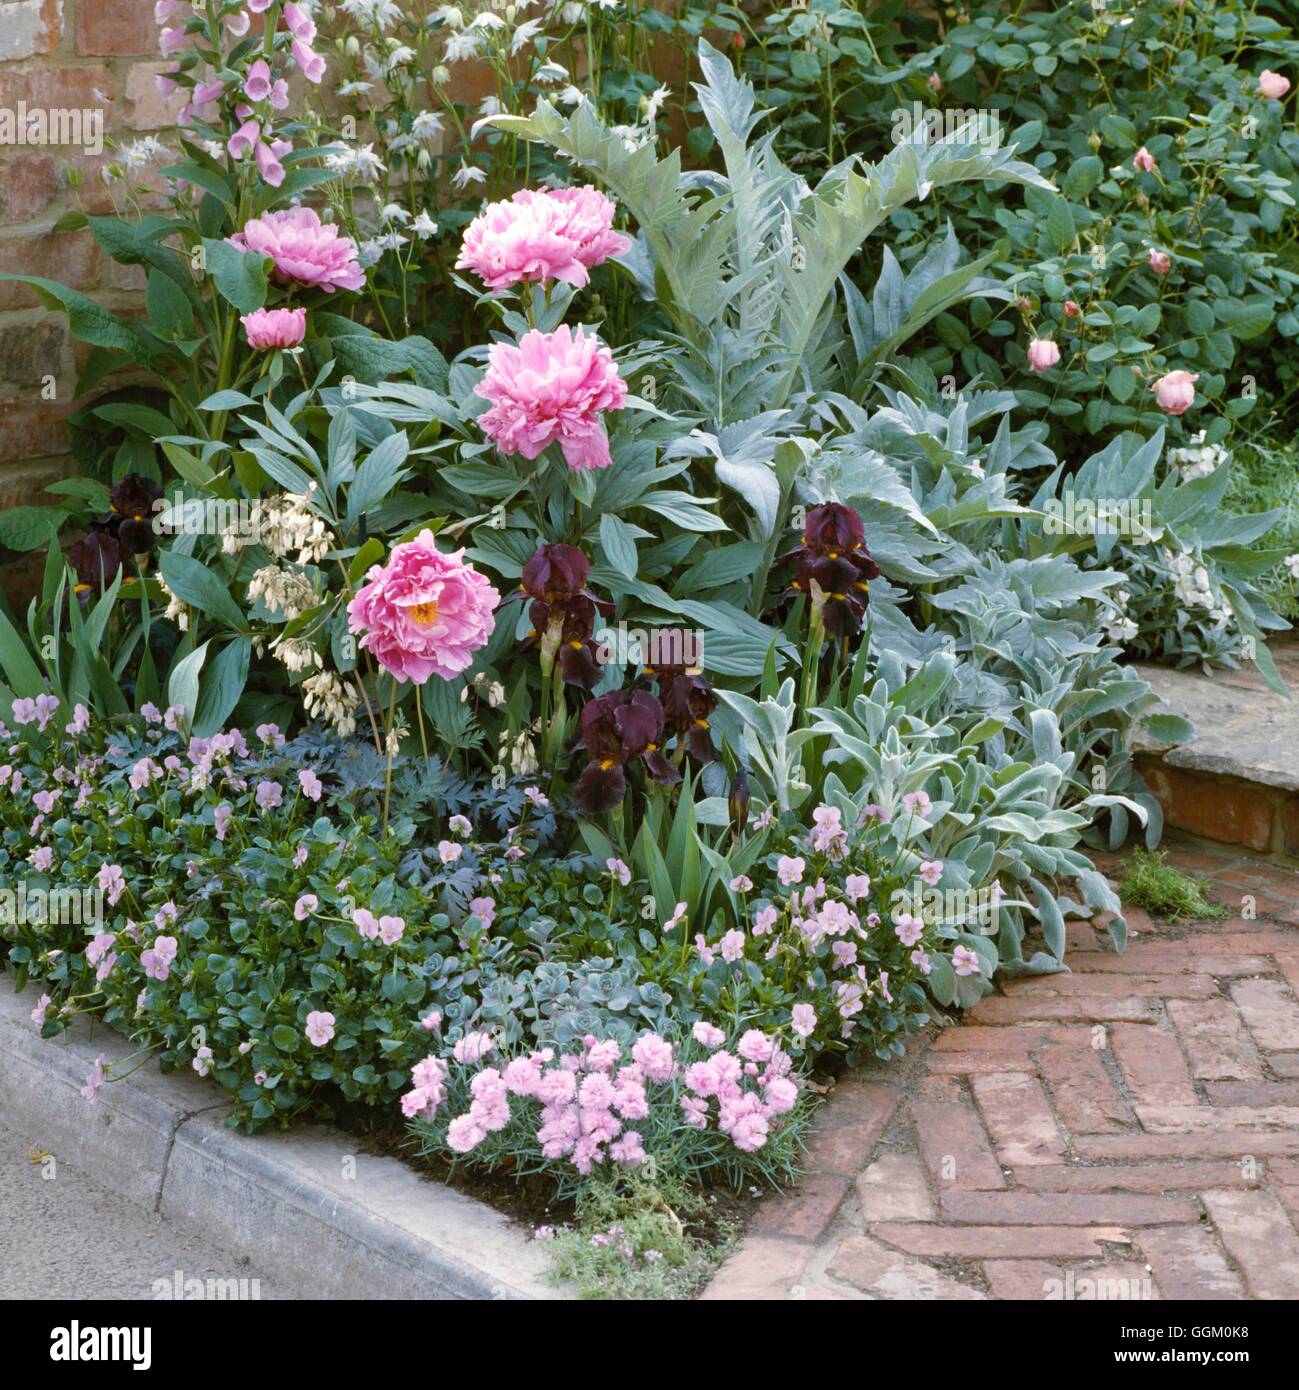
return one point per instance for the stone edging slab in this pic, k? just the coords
(306, 1204)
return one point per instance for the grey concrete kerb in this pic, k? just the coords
(306, 1204)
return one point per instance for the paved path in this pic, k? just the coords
(1135, 1122)
(66, 1237)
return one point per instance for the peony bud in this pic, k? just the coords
(1144, 160)
(1160, 261)
(1272, 85)
(1174, 391)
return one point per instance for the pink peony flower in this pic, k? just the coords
(1272, 85)
(425, 612)
(552, 387)
(275, 328)
(1043, 354)
(1174, 391)
(541, 234)
(305, 250)
(1144, 160)
(1160, 261)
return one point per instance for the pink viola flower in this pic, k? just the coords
(918, 803)
(94, 1080)
(539, 235)
(111, 882)
(931, 870)
(1144, 161)
(1043, 354)
(305, 906)
(269, 795)
(732, 946)
(619, 870)
(552, 388)
(964, 961)
(305, 251)
(790, 870)
(485, 910)
(1175, 391)
(803, 1020)
(157, 959)
(1273, 85)
(857, 886)
(312, 787)
(320, 1027)
(275, 328)
(38, 1013)
(391, 930)
(449, 851)
(41, 858)
(425, 613)
(909, 929)
(1160, 261)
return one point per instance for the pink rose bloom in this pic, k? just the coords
(1144, 160)
(1043, 354)
(541, 234)
(1160, 261)
(275, 328)
(803, 1019)
(1175, 392)
(425, 612)
(552, 387)
(306, 251)
(1272, 85)
(320, 1027)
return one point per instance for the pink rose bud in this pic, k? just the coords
(275, 328)
(934, 82)
(1071, 309)
(1042, 354)
(1144, 160)
(1160, 261)
(1174, 391)
(1272, 84)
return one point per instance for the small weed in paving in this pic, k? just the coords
(1156, 886)
(640, 1236)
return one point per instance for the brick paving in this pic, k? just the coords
(1127, 1130)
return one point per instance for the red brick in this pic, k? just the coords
(893, 1189)
(1253, 1227)
(1004, 1242)
(1194, 956)
(1080, 937)
(29, 352)
(30, 431)
(954, 1147)
(1009, 1044)
(1021, 1281)
(29, 28)
(1113, 985)
(1252, 1092)
(1027, 1008)
(116, 27)
(764, 1267)
(1215, 1040)
(1064, 1209)
(1188, 1264)
(1085, 1098)
(1219, 810)
(1018, 1115)
(150, 109)
(971, 1063)
(1152, 1178)
(29, 183)
(58, 87)
(1152, 1064)
(1284, 1063)
(1270, 1012)
(883, 1273)
(1220, 1144)
(806, 1211)
(72, 258)
(1038, 1280)
(1202, 1119)
(848, 1127)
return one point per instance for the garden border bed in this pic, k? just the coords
(284, 1199)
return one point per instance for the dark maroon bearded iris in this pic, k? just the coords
(95, 560)
(688, 704)
(833, 567)
(615, 729)
(563, 613)
(132, 499)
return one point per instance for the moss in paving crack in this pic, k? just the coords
(641, 1236)
(1150, 883)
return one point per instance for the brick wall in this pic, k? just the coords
(60, 54)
